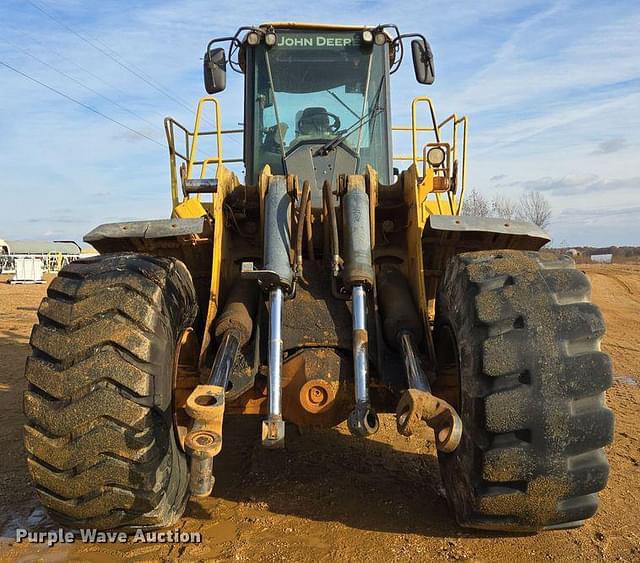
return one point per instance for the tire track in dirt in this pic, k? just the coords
(621, 283)
(628, 348)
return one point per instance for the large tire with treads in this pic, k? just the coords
(101, 447)
(519, 343)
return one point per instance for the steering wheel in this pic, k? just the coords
(309, 122)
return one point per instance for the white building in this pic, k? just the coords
(54, 255)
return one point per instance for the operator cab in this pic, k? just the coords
(319, 106)
(316, 98)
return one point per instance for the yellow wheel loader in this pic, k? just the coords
(325, 286)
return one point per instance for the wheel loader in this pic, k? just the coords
(324, 286)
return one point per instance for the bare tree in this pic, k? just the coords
(476, 204)
(503, 207)
(481, 206)
(534, 207)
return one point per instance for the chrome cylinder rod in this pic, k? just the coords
(201, 477)
(360, 346)
(225, 358)
(275, 352)
(362, 421)
(416, 378)
(273, 426)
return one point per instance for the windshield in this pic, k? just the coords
(322, 87)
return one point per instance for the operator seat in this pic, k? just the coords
(312, 123)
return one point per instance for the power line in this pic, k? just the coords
(107, 84)
(129, 67)
(107, 54)
(73, 79)
(58, 55)
(98, 78)
(92, 109)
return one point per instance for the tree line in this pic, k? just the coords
(531, 206)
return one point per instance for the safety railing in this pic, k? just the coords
(454, 129)
(184, 165)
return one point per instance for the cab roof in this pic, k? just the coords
(307, 25)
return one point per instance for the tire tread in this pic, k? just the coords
(533, 334)
(99, 441)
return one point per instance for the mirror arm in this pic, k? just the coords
(234, 45)
(398, 43)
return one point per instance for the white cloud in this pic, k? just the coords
(570, 186)
(552, 90)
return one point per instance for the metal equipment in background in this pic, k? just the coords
(53, 256)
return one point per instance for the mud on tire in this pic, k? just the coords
(519, 342)
(100, 444)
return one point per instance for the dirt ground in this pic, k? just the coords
(329, 496)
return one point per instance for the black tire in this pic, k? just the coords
(518, 339)
(100, 442)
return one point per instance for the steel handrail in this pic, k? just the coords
(191, 137)
(437, 127)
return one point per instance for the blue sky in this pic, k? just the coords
(552, 90)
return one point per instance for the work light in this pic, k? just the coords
(436, 156)
(367, 36)
(253, 38)
(270, 38)
(380, 38)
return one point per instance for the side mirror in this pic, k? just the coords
(423, 61)
(215, 71)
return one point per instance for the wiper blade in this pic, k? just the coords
(342, 103)
(324, 149)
